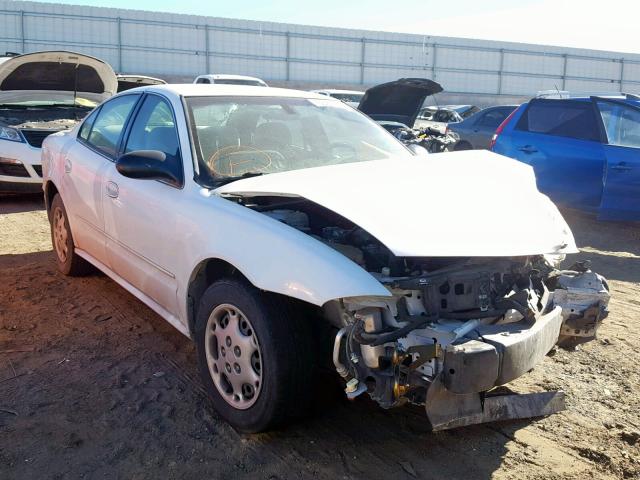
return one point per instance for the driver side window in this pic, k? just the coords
(154, 129)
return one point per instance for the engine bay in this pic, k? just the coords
(458, 326)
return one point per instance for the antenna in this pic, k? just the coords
(557, 90)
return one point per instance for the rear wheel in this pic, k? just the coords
(67, 259)
(255, 356)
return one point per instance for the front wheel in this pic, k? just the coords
(254, 355)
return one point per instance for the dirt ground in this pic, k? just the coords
(93, 384)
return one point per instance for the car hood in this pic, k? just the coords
(398, 101)
(469, 203)
(127, 82)
(57, 72)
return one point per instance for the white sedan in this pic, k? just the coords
(269, 224)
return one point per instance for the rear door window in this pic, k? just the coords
(622, 124)
(87, 124)
(560, 118)
(107, 127)
(493, 118)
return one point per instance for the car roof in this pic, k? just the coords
(619, 98)
(223, 90)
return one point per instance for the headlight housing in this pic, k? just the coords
(11, 134)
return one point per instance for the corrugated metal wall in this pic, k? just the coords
(165, 44)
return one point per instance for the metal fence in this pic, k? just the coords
(187, 45)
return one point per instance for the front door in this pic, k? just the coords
(142, 230)
(621, 197)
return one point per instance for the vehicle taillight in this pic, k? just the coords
(500, 128)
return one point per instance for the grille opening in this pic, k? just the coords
(13, 170)
(35, 137)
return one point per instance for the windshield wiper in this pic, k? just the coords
(218, 182)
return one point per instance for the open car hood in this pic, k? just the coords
(58, 72)
(472, 203)
(398, 101)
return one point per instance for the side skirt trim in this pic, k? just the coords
(152, 304)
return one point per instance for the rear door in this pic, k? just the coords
(482, 126)
(561, 140)
(621, 197)
(85, 164)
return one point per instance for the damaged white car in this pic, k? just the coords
(283, 230)
(42, 93)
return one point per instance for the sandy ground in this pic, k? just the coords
(93, 384)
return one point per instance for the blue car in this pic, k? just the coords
(585, 151)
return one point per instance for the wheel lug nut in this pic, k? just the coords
(228, 367)
(236, 367)
(228, 341)
(223, 351)
(236, 350)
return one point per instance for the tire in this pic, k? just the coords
(67, 260)
(254, 392)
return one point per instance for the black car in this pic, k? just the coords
(475, 132)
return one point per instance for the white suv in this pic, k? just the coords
(270, 224)
(42, 93)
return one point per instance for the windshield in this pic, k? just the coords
(348, 97)
(237, 81)
(236, 136)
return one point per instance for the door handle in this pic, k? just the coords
(112, 190)
(67, 165)
(528, 149)
(621, 167)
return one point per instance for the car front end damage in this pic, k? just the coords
(450, 335)
(472, 303)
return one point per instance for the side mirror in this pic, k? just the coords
(147, 164)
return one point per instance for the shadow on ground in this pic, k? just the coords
(21, 203)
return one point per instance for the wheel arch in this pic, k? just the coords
(50, 191)
(210, 270)
(205, 274)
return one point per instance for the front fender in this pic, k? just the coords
(278, 258)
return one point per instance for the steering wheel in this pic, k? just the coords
(237, 160)
(343, 151)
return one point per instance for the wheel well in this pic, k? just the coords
(213, 269)
(50, 191)
(207, 272)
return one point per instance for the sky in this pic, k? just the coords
(593, 24)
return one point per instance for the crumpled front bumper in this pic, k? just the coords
(500, 353)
